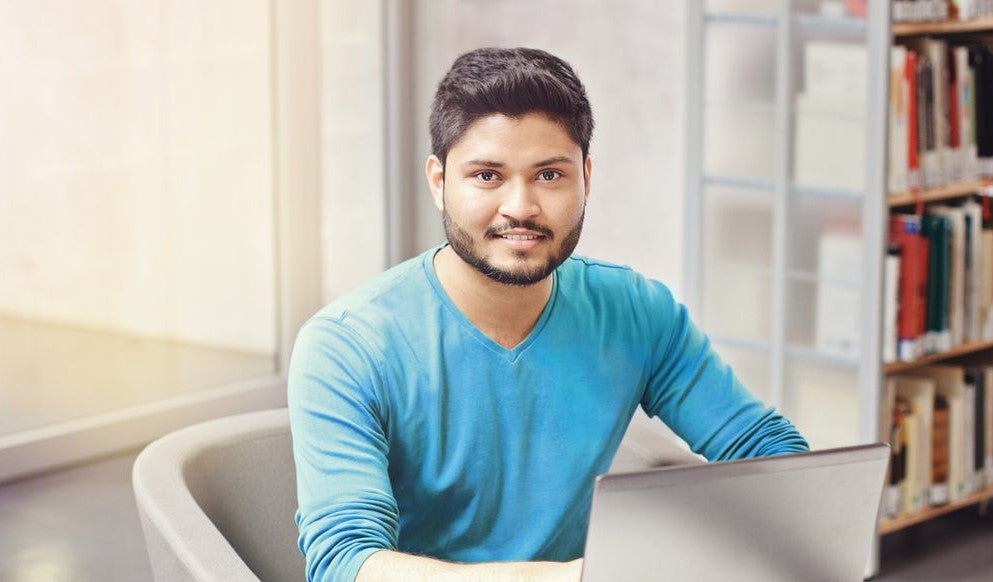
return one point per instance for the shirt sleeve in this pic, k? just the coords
(698, 396)
(346, 509)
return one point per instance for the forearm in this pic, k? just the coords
(389, 566)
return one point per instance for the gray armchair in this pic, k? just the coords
(217, 499)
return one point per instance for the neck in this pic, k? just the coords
(505, 313)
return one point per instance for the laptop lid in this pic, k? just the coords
(808, 516)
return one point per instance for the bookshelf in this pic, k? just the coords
(905, 29)
(891, 525)
(953, 191)
(978, 349)
(966, 349)
(754, 199)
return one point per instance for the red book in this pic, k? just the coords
(905, 232)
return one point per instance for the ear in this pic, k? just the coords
(434, 171)
(587, 172)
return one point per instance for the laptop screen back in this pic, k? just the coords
(792, 517)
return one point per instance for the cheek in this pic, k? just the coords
(470, 211)
(568, 211)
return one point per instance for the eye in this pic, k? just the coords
(549, 175)
(486, 175)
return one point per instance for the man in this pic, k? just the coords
(450, 416)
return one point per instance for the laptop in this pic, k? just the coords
(808, 516)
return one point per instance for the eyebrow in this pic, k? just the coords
(493, 164)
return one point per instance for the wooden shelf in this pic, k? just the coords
(951, 191)
(962, 350)
(943, 27)
(889, 525)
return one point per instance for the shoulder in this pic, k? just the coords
(605, 278)
(375, 313)
(381, 292)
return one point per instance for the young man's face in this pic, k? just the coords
(512, 194)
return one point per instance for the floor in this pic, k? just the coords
(81, 525)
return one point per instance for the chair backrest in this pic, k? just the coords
(217, 501)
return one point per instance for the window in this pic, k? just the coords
(138, 210)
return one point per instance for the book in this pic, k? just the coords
(986, 283)
(913, 139)
(965, 106)
(969, 432)
(912, 492)
(939, 452)
(979, 426)
(988, 425)
(891, 299)
(891, 418)
(937, 50)
(920, 10)
(952, 117)
(949, 383)
(919, 392)
(981, 60)
(927, 144)
(937, 230)
(905, 233)
(973, 214)
(956, 271)
(899, 164)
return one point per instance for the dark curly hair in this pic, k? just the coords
(511, 82)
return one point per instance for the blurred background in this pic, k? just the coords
(183, 182)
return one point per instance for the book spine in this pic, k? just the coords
(905, 233)
(979, 427)
(939, 452)
(954, 158)
(890, 304)
(898, 165)
(988, 425)
(913, 159)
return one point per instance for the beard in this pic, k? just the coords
(465, 247)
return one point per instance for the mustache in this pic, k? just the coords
(526, 224)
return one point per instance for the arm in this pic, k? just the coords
(699, 397)
(340, 431)
(348, 516)
(386, 566)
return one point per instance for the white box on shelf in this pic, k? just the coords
(830, 147)
(838, 299)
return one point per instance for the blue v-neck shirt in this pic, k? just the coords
(414, 431)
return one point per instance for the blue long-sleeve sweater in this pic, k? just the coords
(414, 431)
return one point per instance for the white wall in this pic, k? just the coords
(353, 143)
(630, 57)
(136, 168)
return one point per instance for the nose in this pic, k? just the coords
(519, 201)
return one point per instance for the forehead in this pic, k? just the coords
(503, 138)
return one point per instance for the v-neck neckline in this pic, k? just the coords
(510, 353)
